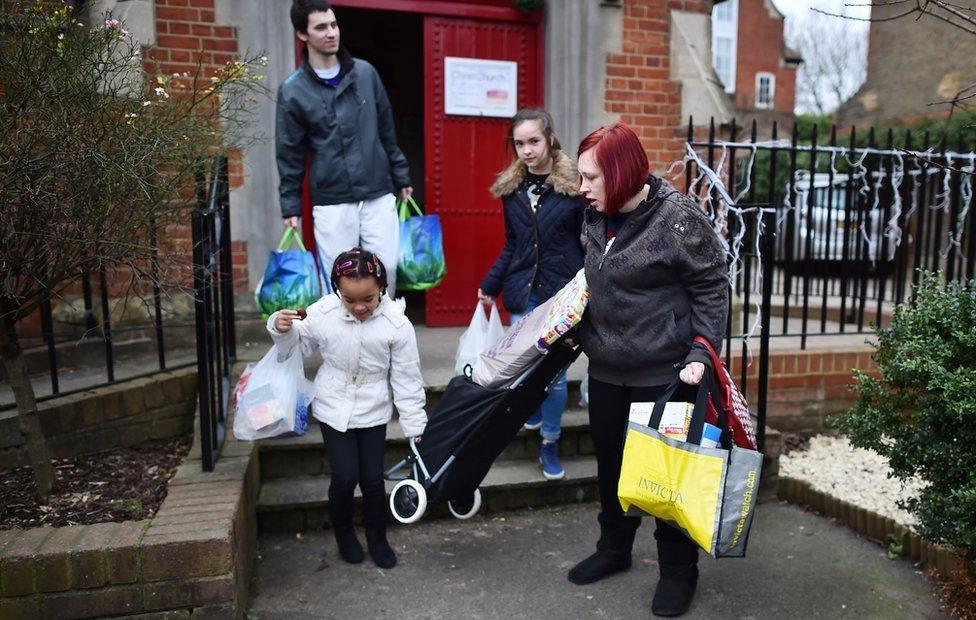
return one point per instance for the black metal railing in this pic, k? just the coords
(855, 221)
(847, 224)
(82, 352)
(214, 304)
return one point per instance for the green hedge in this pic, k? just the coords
(921, 412)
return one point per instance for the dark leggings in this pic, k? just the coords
(356, 457)
(609, 410)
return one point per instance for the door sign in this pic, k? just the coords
(478, 87)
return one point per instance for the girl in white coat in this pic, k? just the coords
(368, 347)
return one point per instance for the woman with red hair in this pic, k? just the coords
(657, 277)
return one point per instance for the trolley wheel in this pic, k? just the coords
(408, 501)
(465, 509)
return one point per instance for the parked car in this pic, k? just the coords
(844, 227)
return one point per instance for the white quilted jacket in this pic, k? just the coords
(364, 364)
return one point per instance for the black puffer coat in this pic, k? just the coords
(542, 249)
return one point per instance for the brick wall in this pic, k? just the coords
(193, 559)
(638, 83)
(937, 56)
(125, 414)
(187, 33)
(807, 387)
(760, 48)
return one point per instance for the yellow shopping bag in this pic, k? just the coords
(707, 493)
(674, 481)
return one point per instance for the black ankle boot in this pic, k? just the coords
(349, 547)
(379, 549)
(599, 565)
(678, 558)
(674, 592)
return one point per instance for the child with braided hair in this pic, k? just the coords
(370, 363)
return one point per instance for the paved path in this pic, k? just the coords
(509, 566)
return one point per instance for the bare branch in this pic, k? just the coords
(935, 163)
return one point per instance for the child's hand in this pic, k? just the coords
(284, 320)
(485, 299)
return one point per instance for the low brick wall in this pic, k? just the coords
(807, 387)
(127, 413)
(194, 557)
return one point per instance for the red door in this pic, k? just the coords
(464, 153)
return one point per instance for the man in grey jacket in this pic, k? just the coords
(335, 108)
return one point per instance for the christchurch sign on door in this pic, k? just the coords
(479, 87)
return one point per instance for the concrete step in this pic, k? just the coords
(305, 456)
(300, 503)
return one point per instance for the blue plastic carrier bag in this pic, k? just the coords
(290, 279)
(420, 264)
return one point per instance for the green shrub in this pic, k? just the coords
(921, 412)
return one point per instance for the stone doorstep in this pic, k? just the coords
(312, 491)
(509, 484)
(305, 455)
(574, 419)
(871, 525)
(185, 560)
(309, 493)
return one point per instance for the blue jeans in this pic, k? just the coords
(554, 404)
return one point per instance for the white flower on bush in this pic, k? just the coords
(161, 92)
(114, 24)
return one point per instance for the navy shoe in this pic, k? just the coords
(552, 469)
(534, 422)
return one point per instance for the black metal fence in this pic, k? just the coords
(60, 358)
(86, 350)
(835, 228)
(214, 305)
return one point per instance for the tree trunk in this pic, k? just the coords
(30, 422)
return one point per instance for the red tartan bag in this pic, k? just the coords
(736, 408)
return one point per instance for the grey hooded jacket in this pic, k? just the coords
(347, 129)
(663, 282)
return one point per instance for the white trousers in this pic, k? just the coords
(370, 224)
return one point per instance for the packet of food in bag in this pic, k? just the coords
(565, 311)
(674, 423)
(261, 408)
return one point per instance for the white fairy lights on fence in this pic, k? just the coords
(715, 193)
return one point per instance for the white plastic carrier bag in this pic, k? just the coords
(273, 397)
(482, 334)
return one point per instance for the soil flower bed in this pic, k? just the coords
(119, 485)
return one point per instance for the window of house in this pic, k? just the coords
(722, 60)
(765, 90)
(725, 17)
(723, 12)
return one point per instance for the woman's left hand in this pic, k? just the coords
(692, 373)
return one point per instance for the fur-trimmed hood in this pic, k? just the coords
(564, 177)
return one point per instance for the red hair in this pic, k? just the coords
(622, 160)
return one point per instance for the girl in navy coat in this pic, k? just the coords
(543, 221)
